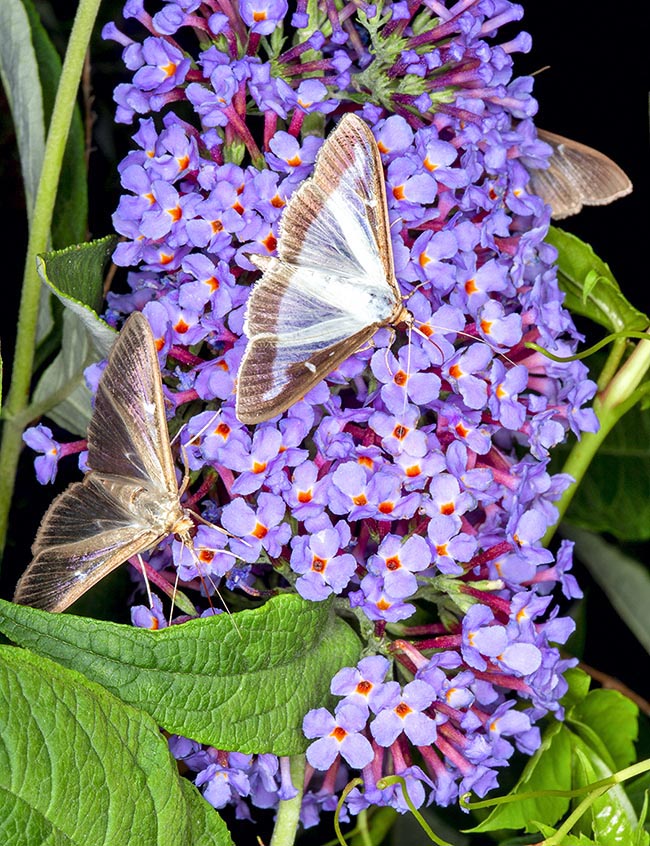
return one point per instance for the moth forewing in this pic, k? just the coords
(127, 434)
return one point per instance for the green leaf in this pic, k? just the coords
(245, 688)
(614, 495)
(20, 80)
(612, 816)
(70, 219)
(614, 720)
(75, 276)
(579, 683)
(548, 769)
(625, 581)
(590, 287)
(77, 766)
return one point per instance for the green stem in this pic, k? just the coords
(618, 397)
(57, 137)
(611, 365)
(288, 816)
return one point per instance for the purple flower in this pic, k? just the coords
(259, 530)
(323, 570)
(263, 16)
(40, 438)
(396, 562)
(401, 711)
(339, 735)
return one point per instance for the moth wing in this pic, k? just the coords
(85, 534)
(337, 220)
(577, 175)
(127, 434)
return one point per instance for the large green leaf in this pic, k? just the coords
(625, 581)
(79, 767)
(590, 287)
(242, 683)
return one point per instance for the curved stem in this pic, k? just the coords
(57, 137)
(619, 396)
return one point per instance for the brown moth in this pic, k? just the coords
(129, 500)
(332, 285)
(577, 176)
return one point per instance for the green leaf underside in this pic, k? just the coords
(78, 766)
(245, 689)
(75, 275)
(70, 219)
(590, 287)
(65, 376)
(611, 817)
(614, 496)
(625, 581)
(19, 75)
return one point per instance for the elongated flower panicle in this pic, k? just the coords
(417, 470)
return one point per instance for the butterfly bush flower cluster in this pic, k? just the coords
(414, 478)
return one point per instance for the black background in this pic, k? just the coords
(593, 90)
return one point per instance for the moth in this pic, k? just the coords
(129, 500)
(577, 176)
(332, 284)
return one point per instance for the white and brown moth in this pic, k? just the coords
(129, 500)
(577, 176)
(332, 285)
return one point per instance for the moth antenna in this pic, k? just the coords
(417, 288)
(408, 369)
(205, 522)
(393, 335)
(198, 434)
(146, 579)
(209, 579)
(175, 591)
(465, 335)
(426, 337)
(204, 578)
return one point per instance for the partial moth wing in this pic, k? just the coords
(577, 176)
(127, 434)
(338, 219)
(86, 533)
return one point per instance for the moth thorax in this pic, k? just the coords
(401, 316)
